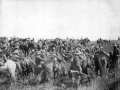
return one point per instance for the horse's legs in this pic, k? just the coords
(89, 80)
(80, 81)
(73, 81)
(75, 84)
(12, 75)
(54, 75)
(27, 52)
(96, 70)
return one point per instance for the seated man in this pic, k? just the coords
(3, 58)
(4, 48)
(17, 54)
(32, 53)
(39, 58)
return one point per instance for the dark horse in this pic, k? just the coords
(101, 62)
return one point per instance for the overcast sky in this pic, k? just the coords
(60, 18)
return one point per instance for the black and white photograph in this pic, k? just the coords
(59, 44)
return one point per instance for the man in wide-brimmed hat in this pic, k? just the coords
(76, 68)
(115, 56)
(111, 61)
(99, 48)
(115, 50)
(78, 51)
(38, 58)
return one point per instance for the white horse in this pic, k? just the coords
(10, 67)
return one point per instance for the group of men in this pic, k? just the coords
(48, 49)
(66, 48)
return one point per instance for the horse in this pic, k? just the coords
(10, 68)
(25, 63)
(44, 70)
(87, 66)
(101, 62)
(54, 67)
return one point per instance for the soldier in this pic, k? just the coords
(53, 53)
(76, 69)
(39, 58)
(17, 54)
(111, 61)
(100, 48)
(115, 55)
(4, 48)
(44, 52)
(78, 51)
(2, 58)
(16, 49)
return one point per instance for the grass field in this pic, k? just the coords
(110, 83)
(108, 47)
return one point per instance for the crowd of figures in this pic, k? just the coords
(55, 59)
(103, 41)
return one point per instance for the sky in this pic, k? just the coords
(60, 18)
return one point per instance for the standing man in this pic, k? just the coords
(111, 61)
(115, 55)
(76, 70)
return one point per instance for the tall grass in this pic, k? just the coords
(102, 83)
